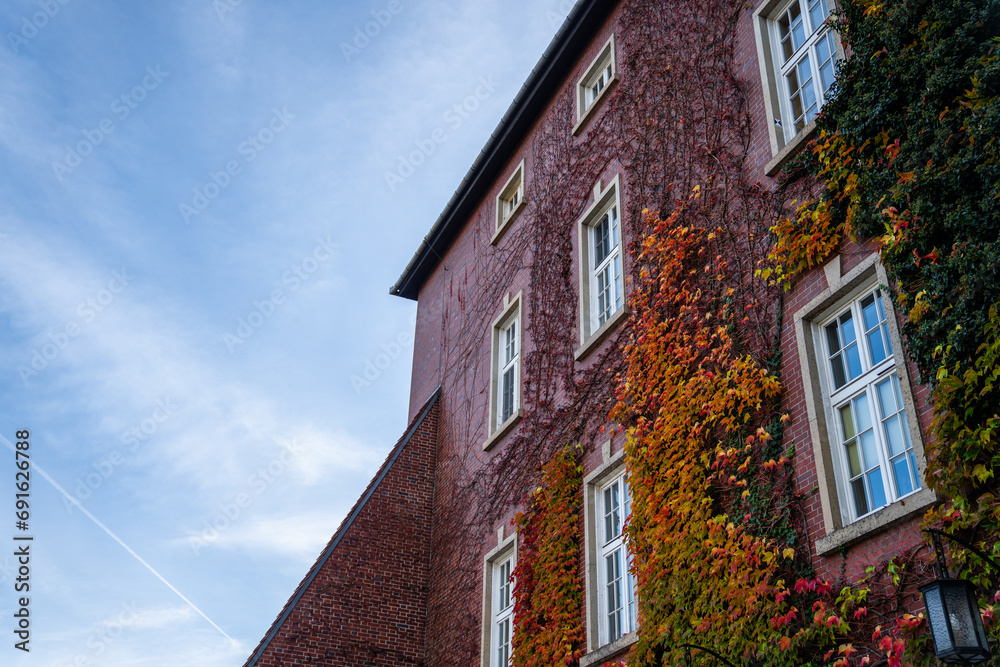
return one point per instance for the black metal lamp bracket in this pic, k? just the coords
(939, 554)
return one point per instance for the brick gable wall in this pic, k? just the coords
(364, 601)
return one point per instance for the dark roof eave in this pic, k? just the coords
(557, 61)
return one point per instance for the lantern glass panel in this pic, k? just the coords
(962, 625)
(937, 618)
(955, 622)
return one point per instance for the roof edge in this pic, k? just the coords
(581, 23)
(344, 527)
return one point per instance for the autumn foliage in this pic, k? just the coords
(695, 409)
(547, 585)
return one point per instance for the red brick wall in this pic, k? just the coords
(449, 316)
(367, 604)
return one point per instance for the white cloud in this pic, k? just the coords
(301, 536)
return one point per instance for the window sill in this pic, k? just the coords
(592, 109)
(871, 525)
(498, 234)
(615, 649)
(775, 164)
(598, 336)
(503, 430)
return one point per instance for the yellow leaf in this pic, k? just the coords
(788, 553)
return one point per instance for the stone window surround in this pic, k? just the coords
(511, 308)
(841, 290)
(603, 200)
(515, 182)
(505, 547)
(585, 113)
(596, 654)
(781, 150)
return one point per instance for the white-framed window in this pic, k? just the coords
(615, 584)
(868, 422)
(807, 57)
(861, 409)
(596, 83)
(510, 202)
(602, 285)
(505, 378)
(498, 604)
(503, 612)
(798, 60)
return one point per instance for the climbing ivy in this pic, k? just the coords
(547, 584)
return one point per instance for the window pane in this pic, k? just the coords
(868, 449)
(901, 474)
(899, 402)
(630, 597)
(827, 75)
(510, 343)
(877, 488)
(617, 284)
(808, 89)
(503, 642)
(503, 581)
(613, 214)
(826, 52)
(612, 516)
(847, 328)
(614, 593)
(817, 13)
(626, 500)
(860, 501)
(507, 408)
(886, 398)
(602, 241)
(853, 361)
(881, 317)
(837, 362)
(913, 467)
(785, 36)
(853, 461)
(862, 413)
(869, 313)
(832, 340)
(839, 377)
(894, 435)
(797, 27)
(848, 422)
(876, 349)
(873, 323)
(795, 96)
(603, 294)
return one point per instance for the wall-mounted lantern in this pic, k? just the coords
(953, 611)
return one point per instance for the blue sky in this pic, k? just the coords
(197, 237)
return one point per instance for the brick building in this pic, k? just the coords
(522, 287)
